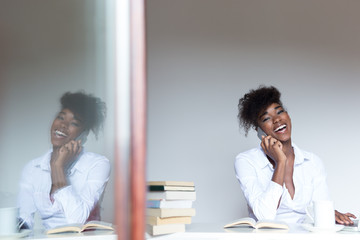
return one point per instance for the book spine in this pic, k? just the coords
(170, 188)
(156, 188)
(169, 203)
(151, 220)
(170, 212)
(165, 229)
(171, 195)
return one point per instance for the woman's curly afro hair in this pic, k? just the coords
(89, 108)
(253, 103)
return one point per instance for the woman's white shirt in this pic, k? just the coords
(74, 203)
(254, 172)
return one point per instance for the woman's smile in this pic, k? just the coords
(66, 127)
(275, 121)
(60, 134)
(280, 129)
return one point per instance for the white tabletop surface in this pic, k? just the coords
(208, 231)
(40, 235)
(212, 231)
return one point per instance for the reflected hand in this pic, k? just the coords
(60, 159)
(67, 153)
(344, 218)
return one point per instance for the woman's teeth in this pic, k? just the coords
(282, 127)
(57, 132)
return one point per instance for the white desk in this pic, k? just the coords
(215, 231)
(89, 235)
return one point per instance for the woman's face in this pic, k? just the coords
(65, 127)
(276, 122)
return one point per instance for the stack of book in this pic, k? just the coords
(169, 206)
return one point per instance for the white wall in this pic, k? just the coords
(204, 55)
(48, 48)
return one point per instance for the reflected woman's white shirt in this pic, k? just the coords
(76, 203)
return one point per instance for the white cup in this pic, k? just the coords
(322, 214)
(9, 221)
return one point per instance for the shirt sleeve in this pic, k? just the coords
(77, 204)
(25, 200)
(262, 200)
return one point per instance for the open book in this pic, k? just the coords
(80, 227)
(260, 224)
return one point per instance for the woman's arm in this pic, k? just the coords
(264, 202)
(261, 193)
(77, 203)
(273, 148)
(60, 159)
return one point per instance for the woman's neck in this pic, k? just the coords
(287, 148)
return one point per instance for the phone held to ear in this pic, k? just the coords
(260, 133)
(82, 137)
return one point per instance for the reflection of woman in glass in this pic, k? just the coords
(278, 179)
(66, 184)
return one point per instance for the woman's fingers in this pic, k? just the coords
(350, 215)
(268, 143)
(344, 218)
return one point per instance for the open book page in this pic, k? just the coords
(260, 224)
(80, 228)
(65, 228)
(271, 224)
(247, 221)
(98, 225)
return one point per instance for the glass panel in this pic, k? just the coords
(48, 48)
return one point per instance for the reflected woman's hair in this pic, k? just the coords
(91, 110)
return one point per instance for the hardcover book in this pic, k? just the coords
(169, 203)
(165, 229)
(171, 183)
(152, 220)
(170, 212)
(172, 195)
(170, 188)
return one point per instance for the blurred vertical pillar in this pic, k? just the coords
(122, 117)
(138, 117)
(130, 119)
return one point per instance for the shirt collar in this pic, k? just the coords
(263, 161)
(44, 163)
(299, 157)
(78, 165)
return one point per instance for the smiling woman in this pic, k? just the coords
(66, 184)
(65, 126)
(278, 179)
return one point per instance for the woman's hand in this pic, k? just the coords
(344, 218)
(273, 148)
(66, 154)
(60, 159)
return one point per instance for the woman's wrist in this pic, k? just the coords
(57, 164)
(281, 161)
(56, 187)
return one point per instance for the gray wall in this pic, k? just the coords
(48, 48)
(203, 55)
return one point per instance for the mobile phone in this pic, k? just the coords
(260, 133)
(82, 137)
